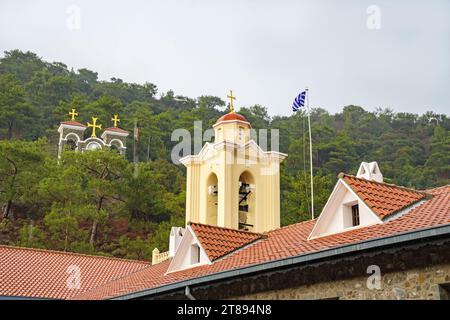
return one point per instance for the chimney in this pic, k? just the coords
(176, 234)
(370, 171)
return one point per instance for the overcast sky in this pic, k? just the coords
(396, 54)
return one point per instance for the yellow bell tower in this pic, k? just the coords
(232, 182)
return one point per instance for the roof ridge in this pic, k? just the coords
(437, 188)
(291, 225)
(245, 246)
(225, 228)
(342, 175)
(73, 254)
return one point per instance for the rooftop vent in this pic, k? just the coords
(370, 171)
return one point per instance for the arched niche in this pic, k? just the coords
(247, 203)
(114, 148)
(72, 136)
(71, 142)
(212, 198)
(116, 143)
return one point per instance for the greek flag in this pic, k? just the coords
(299, 101)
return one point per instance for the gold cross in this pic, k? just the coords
(94, 126)
(231, 101)
(73, 114)
(115, 120)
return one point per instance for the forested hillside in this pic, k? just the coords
(94, 203)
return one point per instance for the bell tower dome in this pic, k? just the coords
(232, 182)
(232, 127)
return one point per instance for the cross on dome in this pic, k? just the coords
(94, 126)
(115, 119)
(73, 114)
(231, 97)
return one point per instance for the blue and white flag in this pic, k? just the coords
(299, 101)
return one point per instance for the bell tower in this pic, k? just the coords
(71, 135)
(232, 182)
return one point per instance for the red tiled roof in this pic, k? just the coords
(384, 199)
(232, 116)
(73, 123)
(218, 241)
(44, 274)
(283, 243)
(115, 129)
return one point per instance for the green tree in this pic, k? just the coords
(102, 172)
(63, 191)
(15, 111)
(21, 165)
(21, 64)
(437, 166)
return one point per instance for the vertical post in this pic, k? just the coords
(135, 153)
(310, 154)
(155, 255)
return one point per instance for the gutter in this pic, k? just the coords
(25, 298)
(377, 243)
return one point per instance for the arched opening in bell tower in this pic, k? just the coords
(71, 141)
(212, 198)
(246, 203)
(71, 145)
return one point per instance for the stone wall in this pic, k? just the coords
(411, 284)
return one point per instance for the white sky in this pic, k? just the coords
(266, 51)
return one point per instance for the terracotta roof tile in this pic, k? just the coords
(384, 199)
(283, 243)
(218, 241)
(44, 273)
(115, 129)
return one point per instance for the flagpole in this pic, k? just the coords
(310, 153)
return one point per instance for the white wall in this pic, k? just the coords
(336, 216)
(182, 259)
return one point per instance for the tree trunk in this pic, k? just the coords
(95, 223)
(30, 231)
(149, 156)
(66, 238)
(7, 210)
(10, 130)
(93, 233)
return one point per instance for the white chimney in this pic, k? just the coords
(370, 171)
(176, 234)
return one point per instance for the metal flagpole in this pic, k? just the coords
(310, 153)
(135, 147)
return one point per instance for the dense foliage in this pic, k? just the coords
(96, 203)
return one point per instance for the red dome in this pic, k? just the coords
(232, 116)
(116, 129)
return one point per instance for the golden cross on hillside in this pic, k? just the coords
(73, 114)
(115, 120)
(231, 101)
(94, 126)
